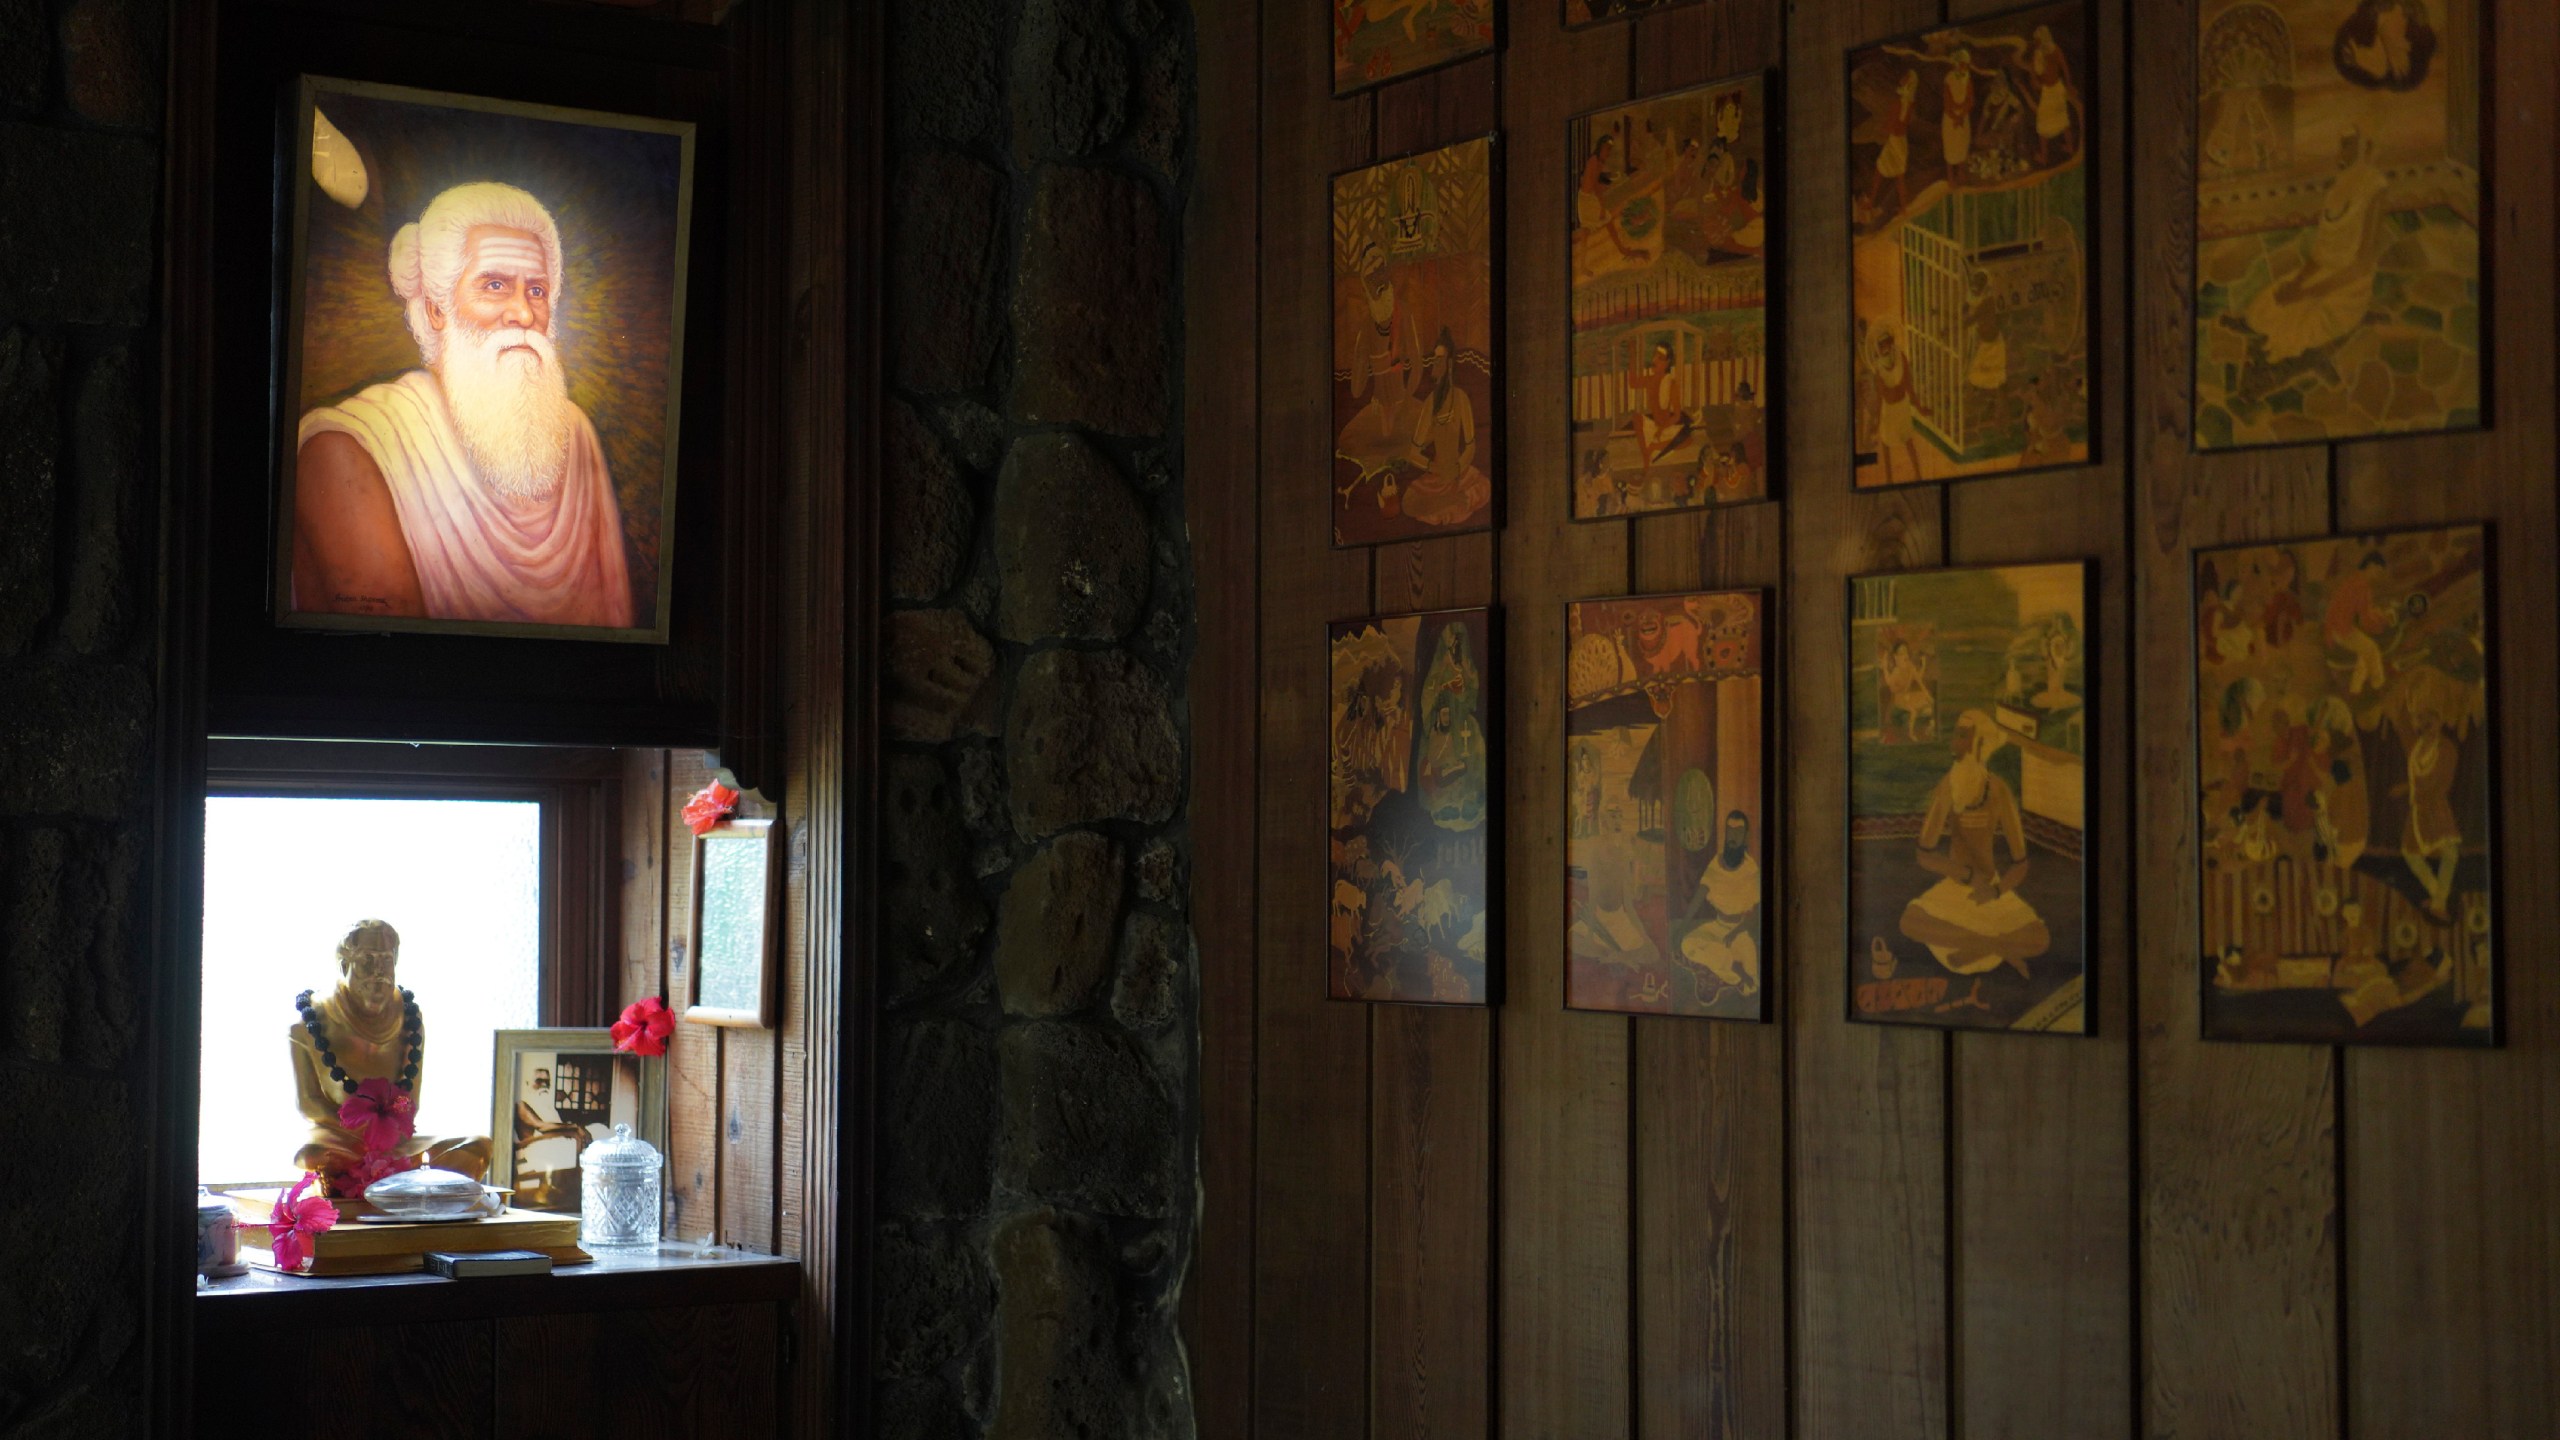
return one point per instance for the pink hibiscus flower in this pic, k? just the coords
(644, 1027)
(381, 1114)
(296, 1220)
(376, 1164)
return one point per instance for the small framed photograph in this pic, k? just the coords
(735, 888)
(557, 1092)
(481, 368)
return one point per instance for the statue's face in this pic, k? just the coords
(370, 971)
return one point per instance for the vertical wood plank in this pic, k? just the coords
(2237, 1162)
(642, 970)
(1311, 1235)
(2450, 1238)
(639, 1374)
(693, 1056)
(1222, 481)
(2041, 1147)
(1710, 1271)
(1868, 1188)
(1564, 1348)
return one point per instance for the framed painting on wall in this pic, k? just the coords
(2339, 284)
(1666, 825)
(1375, 41)
(1580, 14)
(2345, 759)
(1675, 217)
(1969, 750)
(1412, 802)
(1971, 300)
(482, 365)
(1415, 347)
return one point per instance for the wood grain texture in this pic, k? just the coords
(1709, 1237)
(693, 1056)
(1311, 1235)
(2449, 1156)
(441, 1371)
(2238, 1159)
(1564, 1356)
(1222, 350)
(642, 970)
(640, 1374)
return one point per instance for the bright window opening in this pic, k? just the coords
(286, 878)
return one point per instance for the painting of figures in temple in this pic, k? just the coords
(1672, 225)
(1581, 13)
(2343, 766)
(1665, 826)
(1968, 797)
(1412, 796)
(1375, 41)
(2338, 200)
(1970, 299)
(1415, 428)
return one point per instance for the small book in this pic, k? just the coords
(493, 1262)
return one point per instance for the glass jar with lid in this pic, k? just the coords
(618, 1192)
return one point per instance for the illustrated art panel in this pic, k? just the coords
(482, 366)
(558, 1091)
(1673, 216)
(1416, 430)
(1969, 752)
(1581, 13)
(2343, 764)
(1375, 41)
(1666, 828)
(1970, 292)
(2338, 201)
(1412, 800)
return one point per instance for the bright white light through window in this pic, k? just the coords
(284, 880)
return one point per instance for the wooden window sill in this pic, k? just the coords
(671, 1276)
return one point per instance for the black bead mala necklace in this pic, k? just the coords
(413, 1036)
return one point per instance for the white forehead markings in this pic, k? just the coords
(508, 255)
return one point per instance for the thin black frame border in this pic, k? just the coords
(1572, 27)
(1497, 808)
(2091, 845)
(1772, 921)
(2497, 1035)
(1497, 272)
(2487, 17)
(1776, 267)
(2091, 244)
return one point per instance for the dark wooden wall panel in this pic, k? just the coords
(1527, 1223)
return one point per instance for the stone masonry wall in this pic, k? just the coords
(1039, 1116)
(80, 105)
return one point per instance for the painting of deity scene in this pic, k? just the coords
(1968, 798)
(1580, 14)
(2343, 758)
(1672, 221)
(1413, 347)
(1970, 295)
(1375, 41)
(1412, 799)
(2338, 202)
(1665, 825)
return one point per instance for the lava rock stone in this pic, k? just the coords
(1071, 543)
(30, 446)
(943, 258)
(1092, 304)
(77, 209)
(938, 1131)
(941, 675)
(1087, 1124)
(1090, 736)
(934, 914)
(931, 518)
(1054, 932)
(1070, 80)
(1058, 1359)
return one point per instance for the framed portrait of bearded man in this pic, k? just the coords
(483, 344)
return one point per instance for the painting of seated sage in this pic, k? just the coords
(1412, 796)
(2338, 204)
(1414, 379)
(2343, 759)
(1968, 797)
(1666, 904)
(1375, 41)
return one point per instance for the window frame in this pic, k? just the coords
(578, 790)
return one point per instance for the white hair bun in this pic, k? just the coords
(406, 279)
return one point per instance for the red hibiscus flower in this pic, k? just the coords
(381, 1114)
(644, 1027)
(296, 1219)
(709, 806)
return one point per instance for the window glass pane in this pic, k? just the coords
(285, 879)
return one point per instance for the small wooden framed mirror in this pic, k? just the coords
(735, 886)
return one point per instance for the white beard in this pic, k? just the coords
(513, 412)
